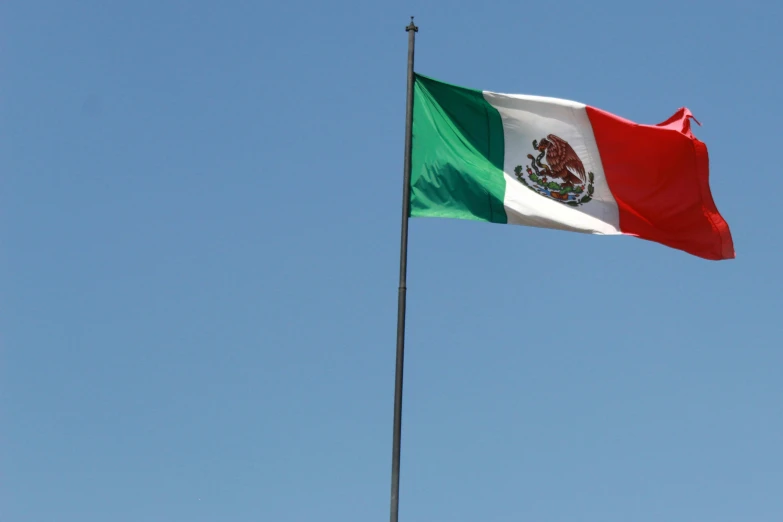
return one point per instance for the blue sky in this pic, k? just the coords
(199, 212)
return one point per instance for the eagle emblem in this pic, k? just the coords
(575, 186)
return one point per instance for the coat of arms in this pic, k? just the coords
(562, 163)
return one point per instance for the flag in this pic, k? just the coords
(553, 163)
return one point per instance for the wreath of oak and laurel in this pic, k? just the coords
(577, 187)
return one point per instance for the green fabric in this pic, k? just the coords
(457, 154)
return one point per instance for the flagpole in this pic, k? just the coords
(411, 29)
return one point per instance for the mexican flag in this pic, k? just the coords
(552, 163)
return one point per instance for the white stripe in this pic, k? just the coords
(528, 118)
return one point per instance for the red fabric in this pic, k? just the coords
(659, 175)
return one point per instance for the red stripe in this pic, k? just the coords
(659, 176)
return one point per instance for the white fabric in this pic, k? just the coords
(528, 118)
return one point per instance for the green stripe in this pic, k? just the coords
(457, 154)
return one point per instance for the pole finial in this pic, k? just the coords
(412, 27)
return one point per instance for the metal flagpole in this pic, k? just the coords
(395, 486)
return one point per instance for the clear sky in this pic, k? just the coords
(199, 209)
